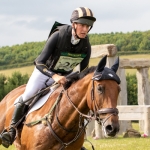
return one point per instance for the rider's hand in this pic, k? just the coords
(59, 79)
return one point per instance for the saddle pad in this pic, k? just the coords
(41, 101)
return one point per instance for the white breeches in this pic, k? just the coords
(35, 83)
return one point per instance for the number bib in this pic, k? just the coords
(68, 61)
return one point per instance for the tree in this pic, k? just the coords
(132, 89)
(145, 44)
(2, 86)
(15, 80)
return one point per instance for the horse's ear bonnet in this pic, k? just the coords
(104, 73)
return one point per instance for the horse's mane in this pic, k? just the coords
(79, 76)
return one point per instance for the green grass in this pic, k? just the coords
(117, 143)
(10, 148)
(93, 62)
(113, 144)
(24, 70)
(145, 56)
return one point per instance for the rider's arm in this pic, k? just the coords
(43, 57)
(46, 53)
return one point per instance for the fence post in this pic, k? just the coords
(147, 120)
(143, 86)
(143, 90)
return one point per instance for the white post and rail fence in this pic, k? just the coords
(127, 113)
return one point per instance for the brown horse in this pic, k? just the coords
(95, 89)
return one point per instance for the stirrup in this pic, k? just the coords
(5, 138)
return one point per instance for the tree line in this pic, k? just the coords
(127, 43)
(19, 55)
(131, 41)
(7, 84)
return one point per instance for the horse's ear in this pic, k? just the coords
(116, 65)
(101, 65)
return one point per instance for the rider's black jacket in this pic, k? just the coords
(60, 55)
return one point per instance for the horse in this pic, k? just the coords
(61, 121)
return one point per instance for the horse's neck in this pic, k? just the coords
(77, 93)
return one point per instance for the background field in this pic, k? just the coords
(113, 144)
(118, 143)
(93, 62)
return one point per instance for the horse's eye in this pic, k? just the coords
(100, 89)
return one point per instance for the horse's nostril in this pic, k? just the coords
(109, 128)
(111, 131)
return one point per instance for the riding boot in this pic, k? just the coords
(9, 137)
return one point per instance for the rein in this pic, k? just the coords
(81, 128)
(81, 114)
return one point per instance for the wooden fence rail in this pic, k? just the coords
(136, 112)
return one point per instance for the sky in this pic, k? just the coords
(31, 20)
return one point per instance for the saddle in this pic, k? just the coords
(39, 95)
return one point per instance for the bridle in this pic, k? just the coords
(111, 111)
(94, 116)
(99, 112)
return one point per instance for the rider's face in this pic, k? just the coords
(81, 29)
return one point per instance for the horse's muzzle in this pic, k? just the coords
(110, 123)
(112, 130)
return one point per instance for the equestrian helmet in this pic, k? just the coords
(83, 15)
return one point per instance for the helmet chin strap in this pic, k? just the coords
(74, 30)
(90, 28)
(75, 34)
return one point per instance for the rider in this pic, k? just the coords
(66, 47)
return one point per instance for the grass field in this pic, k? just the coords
(113, 144)
(24, 70)
(93, 62)
(118, 143)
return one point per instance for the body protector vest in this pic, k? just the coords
(66, 56)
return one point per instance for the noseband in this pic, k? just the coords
(111, 111)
